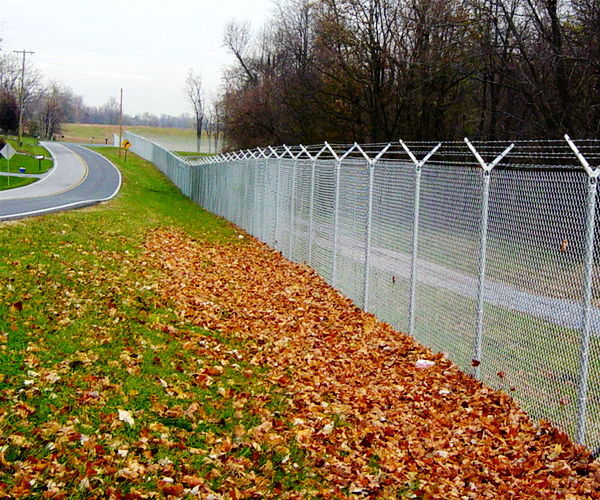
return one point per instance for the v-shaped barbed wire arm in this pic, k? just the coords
(415, 236)
(487, 169)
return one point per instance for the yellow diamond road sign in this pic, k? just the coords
(126, 144)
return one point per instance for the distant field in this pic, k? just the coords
(80, 132)
(172, 138)
(190, 153)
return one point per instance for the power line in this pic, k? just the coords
(22, 93)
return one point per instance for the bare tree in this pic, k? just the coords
(51, 110)
(10, 80)
(373, 70)
(195, 96)
(216, 121)
(111, 110)
(237, 40)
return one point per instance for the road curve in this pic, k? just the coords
(79, 178)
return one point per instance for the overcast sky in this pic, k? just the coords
(145, 46)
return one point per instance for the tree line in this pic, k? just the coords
(378, 70)
(46, 105)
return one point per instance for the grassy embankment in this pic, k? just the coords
(7, 182)
(109, 389)
(84, 336)
(24, 159)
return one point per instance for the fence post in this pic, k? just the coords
(336, 214)
(368, 237)
(264, 197)
(293, 195)
(245, 218)
(267, 194)
(312, 203)
(254, 216)
(586, 312)
(246, 214)
(416, 210)
(371, 165)
(292, 211)
(277, 194)
(487, 169)
(336, 209)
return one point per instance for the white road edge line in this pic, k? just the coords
(50, 173)
(82, 202)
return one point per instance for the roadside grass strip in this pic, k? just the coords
(25, 157)
(149, 349)
(14, 182)
(104, 393)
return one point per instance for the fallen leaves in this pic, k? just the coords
(125, 416)
(376, 413)
(422, 364)
(226, 372)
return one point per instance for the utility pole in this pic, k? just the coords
(24, 52)
(120, 123)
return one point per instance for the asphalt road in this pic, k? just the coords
(79, 178)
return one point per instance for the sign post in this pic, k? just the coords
(8, 152)
(126, 144)
(39, 158)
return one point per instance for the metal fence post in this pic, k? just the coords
(586, 312)
(277, 188)
(416, 209)
(312, 204)
(368, 237)
(246, 192)
(253, 214)
(312, 181)
(487, 169)
(311, 208)
(264, 194)
(336, 213)
(292, 207)
(369, 228)
(336, 220)
(415, 248)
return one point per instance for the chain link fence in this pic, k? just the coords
(487, 252)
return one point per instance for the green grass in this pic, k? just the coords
(82, 132)
(177, 138)
(84, 333)
(192, 153)
(11, 182)
(29, 145)
(30, 148)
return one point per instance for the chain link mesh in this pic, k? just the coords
(351, 215)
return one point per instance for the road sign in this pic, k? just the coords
(7, 151)
(126, 144)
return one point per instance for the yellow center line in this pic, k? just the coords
(83, 178)
(85, 168)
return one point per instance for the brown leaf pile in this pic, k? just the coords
(370, 420)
